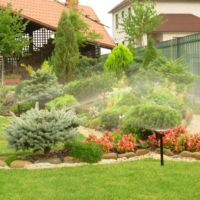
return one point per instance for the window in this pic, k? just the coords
(122, 14)
(116, 21)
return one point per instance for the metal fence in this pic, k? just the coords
(188, 49)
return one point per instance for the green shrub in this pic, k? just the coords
(163, 96)
(62, 102)
(88, 66)
(119, 59)
(173, 70)
(87, 152)
(122, 98)
(91, 87)
(42, 87)
(41, 129)
(94, 123)
(150, 117)
(127, 99)
(112, 118)
(22, 107)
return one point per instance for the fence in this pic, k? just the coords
(188, 49)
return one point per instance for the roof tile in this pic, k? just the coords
(48, 12)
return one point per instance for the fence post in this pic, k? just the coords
(178, 53)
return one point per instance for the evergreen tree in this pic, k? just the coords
(71, 34)
(119, 60)
(66, 53)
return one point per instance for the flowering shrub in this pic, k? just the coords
(177, 139)
(106, 141)
(126, 144)
(114, 140)
(193, 142)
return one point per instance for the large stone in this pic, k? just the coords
(2, 164)
(166, 152)
(2, 158)
(186, 154)
(126, 155)
(142, 152)
(109, 156)
(69, 159)
(20, 164)
(196, 155)
(49, 160)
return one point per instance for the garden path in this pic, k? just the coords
(194, 126)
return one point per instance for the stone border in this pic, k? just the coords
(105, 161)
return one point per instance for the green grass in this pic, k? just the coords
(138, 180)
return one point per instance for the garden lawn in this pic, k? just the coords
(137, 180)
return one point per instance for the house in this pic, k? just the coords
(181, 18)
(43, 17)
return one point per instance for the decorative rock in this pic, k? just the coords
(196, 155)
(50, 160)
(109, 156)
(186, 154)
(20, 164)
(166, 152)
(2, 158)
(126, 155)
(142, 152)
(2, 164)
(69, 159)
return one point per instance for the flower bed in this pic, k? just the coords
(177, 140)
(114, 141)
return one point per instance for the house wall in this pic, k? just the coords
(162, 7)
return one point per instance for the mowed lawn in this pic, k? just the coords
(136, 180)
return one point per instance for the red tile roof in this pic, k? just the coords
(47, 13)
(179, 23)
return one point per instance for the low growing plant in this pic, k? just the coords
(41, 129)
(145, 118)
(90, 88)
(126, 144)
(87, 152)
(62, 102)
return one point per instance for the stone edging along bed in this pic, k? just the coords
(109, 158)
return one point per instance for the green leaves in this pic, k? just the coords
(119, 59)
(12, 28)
(143, 20)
